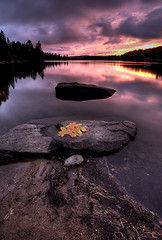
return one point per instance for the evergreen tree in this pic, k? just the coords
(38, 52)
(3, 47)
(30, 50)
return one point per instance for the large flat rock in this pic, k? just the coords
(41, 137)
(25, 138)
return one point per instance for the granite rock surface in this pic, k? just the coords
(41, 137)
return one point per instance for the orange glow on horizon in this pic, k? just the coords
(99, 48)
(104, 73)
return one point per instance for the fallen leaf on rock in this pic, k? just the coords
(72, 130)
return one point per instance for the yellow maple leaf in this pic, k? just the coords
(71, 125)
(61, 133)
(83, 129)
(72, 130)
(72, 134)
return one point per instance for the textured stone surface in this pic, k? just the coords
(100, 137)
(51, 202)
(10, 175)
(25, 138)
(74, 160)
(41, 137)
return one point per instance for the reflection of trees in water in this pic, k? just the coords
(10, 73)
(55, 64)
(4, 94)
(146, 67)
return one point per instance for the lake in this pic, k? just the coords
(28, 92)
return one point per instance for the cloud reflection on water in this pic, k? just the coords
(137, 87)
(138, 96)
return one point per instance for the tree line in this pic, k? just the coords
(16, 51)
(143, 55)
(150, 54)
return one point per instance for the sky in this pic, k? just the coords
(84, 27)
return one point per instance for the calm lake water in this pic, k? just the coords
(28, 92)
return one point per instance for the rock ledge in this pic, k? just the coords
(41, 137)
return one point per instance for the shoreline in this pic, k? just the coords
(72, 203)
(80, 58)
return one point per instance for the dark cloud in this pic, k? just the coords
(60, 33)
(101, 27)
(65, 22)
(47, 10)
(150, 27)
(64, 33)
(53, 21)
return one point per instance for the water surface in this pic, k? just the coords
(28, 92)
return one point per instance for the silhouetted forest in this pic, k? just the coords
(149, 54)
(52, 56)
(111, 57)
(16, 51)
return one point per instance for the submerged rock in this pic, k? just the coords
(73, 160)
(41, 137)
(81, 92)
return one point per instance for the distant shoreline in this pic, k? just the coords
(80, 58)
(111, 59)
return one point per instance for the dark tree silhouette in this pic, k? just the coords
(16, 51)
(51, 56)
(3, 47)
(143, 55)
(38, 51)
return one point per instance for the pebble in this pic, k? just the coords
(74, 160)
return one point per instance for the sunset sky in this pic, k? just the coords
(84, 27)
